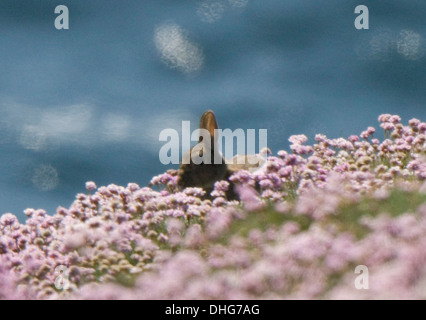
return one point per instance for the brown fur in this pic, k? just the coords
(205, 175)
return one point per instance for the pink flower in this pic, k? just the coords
(195, 192)
(353, 138)
(282, 154)
(320, 138)
(388, 126)
(395, 119)
(8, 219)
(90, 186)
(250, 198)
(384, 117)
(301, 150)
(371, 130)
(242, 177)
(414, 123)
(367, 133)
(220, 188)
(298, 139)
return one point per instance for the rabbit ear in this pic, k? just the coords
(209, 123)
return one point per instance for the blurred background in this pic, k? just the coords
(89, 103)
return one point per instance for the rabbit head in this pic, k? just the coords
(195, 171)
(203, 165)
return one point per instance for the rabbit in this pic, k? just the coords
(204, 175)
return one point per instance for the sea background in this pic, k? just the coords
(88, 103)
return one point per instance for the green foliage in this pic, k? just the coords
(398, 202)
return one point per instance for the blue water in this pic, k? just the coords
(88, 103)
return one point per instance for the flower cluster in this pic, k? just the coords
(304, 222)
